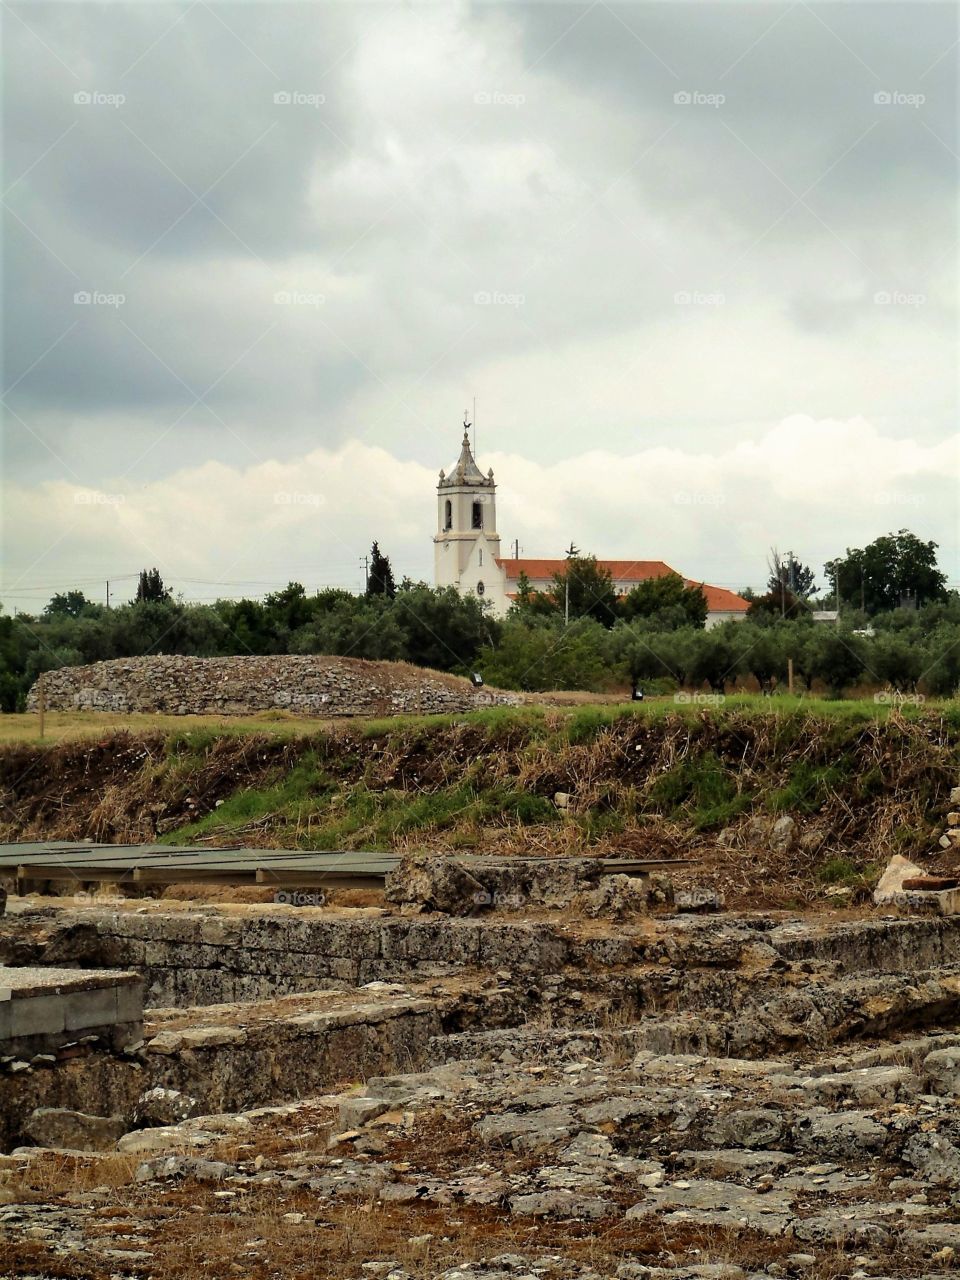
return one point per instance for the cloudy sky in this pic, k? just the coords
(696, 262)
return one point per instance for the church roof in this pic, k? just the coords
(466, 470)
(619, 570)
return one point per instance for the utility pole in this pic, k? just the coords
(783, 583)
(572, 551)
(366, 574)
(108, 593)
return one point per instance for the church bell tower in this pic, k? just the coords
(466, 544)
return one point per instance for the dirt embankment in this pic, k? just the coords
(857, 791)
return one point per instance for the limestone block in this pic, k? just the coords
(942, 1067)
(897, 870)
(73, 1130)
(41, 1015)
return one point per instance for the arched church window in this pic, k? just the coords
(448, 514)
(477, 516)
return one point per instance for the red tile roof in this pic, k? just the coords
(719, 599)
(620, 570)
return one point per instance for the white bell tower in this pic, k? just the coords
(466, 544)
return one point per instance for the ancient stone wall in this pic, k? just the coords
(240, 1058)
(190, 960)
(301, 683)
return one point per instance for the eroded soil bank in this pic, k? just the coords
(710, 783)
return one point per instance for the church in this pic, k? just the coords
(467, 549)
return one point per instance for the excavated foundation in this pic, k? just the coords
(719, 1089)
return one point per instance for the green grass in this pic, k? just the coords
(700, 790)
(845, 871)
(808, 787)
(587, 719)
(293, 792)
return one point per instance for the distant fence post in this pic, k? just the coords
(790, 675)
(41, 700)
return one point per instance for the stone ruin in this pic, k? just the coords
(509, 1072)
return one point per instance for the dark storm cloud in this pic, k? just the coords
(526, 153)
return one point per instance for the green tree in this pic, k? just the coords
(716, 657)
(897, 660)
(544, 654)
(442, 628)
(150, 588)
(528, 603)
(668, 601)
(584, 589)
(355, 629)
(789, 574)
(941, 674)
(762, 652)
(68, 604)
(380, 575)
(895, 568)
(779, 603)
(836, 657)
(645, 654)
(284, 612)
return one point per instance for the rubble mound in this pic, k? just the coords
(305, 684)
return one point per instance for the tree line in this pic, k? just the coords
(579, 634)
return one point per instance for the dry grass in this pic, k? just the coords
(63, 726)
(196, 1230)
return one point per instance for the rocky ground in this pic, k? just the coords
(552, 1155)
(628, 1083)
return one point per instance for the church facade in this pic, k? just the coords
(467, 550)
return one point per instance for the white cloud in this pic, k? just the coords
(712, 515)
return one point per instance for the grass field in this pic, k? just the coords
(584, 715)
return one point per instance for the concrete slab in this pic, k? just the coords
(42, 1009)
